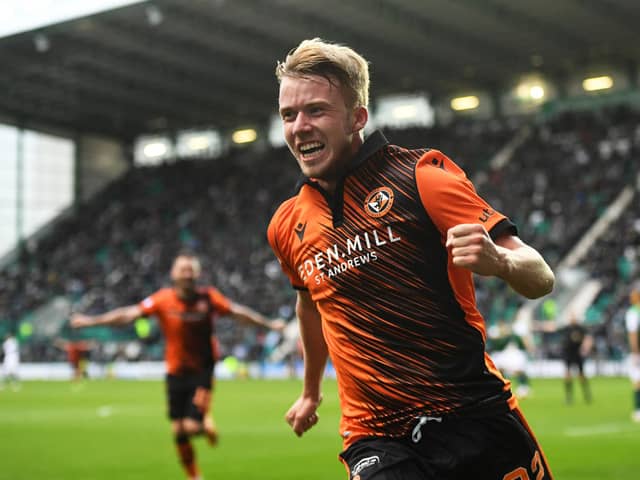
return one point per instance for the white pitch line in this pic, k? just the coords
(603, 429)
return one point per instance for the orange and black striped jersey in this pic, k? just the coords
(188, 326)
(400, 321)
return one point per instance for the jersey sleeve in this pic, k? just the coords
(221, 303)
(152, 303)
(450, 198)
(279, 245)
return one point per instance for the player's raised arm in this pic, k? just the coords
(244, 314)
(509, 258)
(303, 413)
(118, 316)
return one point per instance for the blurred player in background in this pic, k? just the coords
(186, 314)
(10, 362)
(77, 355)
(576, 345)
(381, 244)
(508, 346)
(632, 322)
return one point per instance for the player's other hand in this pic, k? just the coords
(79, 320)
(472, 248)
(278, 324)
(303, 414)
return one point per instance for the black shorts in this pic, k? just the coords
(181, 390)
(576, 361)
(497, 447)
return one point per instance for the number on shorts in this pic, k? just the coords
(518, 474)
(521, 473)
(536, 466)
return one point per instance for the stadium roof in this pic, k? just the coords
(170, 64)
(21, 16)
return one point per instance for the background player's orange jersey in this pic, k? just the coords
(76, 350)
(400, 321)
(188, 327)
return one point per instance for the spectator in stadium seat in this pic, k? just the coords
(381, 244)
(632, 321)
(186, 314)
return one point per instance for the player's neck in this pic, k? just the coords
(185, 293)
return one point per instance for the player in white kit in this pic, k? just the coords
(11, 362)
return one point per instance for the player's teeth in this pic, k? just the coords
(310, 146)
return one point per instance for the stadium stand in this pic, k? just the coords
(116, 248)
(146, 69)
(562, 179)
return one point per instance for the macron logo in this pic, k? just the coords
(300, 228)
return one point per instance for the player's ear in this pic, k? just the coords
(360, 118)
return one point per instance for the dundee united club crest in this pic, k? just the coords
(379, 202)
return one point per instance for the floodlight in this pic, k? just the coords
(465, 103)
(245, 135)
(597, 83)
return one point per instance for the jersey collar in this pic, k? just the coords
(372, 144)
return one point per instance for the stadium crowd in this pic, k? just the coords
(561, 181)
(117, 247)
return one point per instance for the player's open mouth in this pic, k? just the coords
(308, 150)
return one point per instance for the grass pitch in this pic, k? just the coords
(109, 429)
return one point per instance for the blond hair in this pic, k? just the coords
(333, 62)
